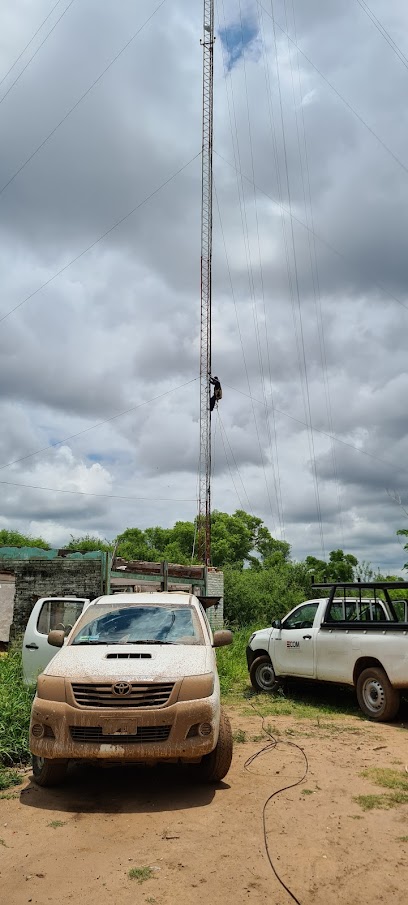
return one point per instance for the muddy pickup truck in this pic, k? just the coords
(357, 640)
(135, 682)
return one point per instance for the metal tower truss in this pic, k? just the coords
(204, 506)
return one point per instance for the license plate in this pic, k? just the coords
(119, 728)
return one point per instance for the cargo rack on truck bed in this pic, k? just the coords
(375, 586)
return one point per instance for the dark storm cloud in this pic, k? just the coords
(297, 325)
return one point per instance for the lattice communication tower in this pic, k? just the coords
(204, 504)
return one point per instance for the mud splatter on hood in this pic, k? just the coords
(167, 663)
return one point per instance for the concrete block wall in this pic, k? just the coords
(215, 588)
(7, 591)
(52, 578)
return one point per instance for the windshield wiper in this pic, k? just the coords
(111, 643)
(147, 641)
(77, 643)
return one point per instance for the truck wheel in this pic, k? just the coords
(215, 766)
(262, 675)
(48, 772)
(376, 697)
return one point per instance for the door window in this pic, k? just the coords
(58, 614)
(301, 618)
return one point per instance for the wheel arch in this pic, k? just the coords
(253, 654)
(364, 663)
(260, 652)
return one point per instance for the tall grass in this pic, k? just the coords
(15, 707)
(232, 665)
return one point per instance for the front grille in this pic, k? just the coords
(152, 694)
(93, 735)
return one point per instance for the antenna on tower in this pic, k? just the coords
(204, 504)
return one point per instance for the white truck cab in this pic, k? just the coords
(48, 613)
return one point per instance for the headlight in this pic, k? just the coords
(252, 637)
(194, 687)
(51, 688)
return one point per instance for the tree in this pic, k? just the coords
(261, 595)
(261, 540)
(173, 553)
(87, 544)
(231, 539)
(131, 544)
(158, 538)
(184, 534)
(15, 539)
(340, 567)
(241, 538)
(236, 539)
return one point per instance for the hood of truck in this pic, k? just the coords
(260, 638)
(164, 663)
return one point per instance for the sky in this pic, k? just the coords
(100, 193)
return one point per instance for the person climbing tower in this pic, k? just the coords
(217, 395)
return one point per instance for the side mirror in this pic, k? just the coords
(56, 638)
(222, 638)
(277, 623)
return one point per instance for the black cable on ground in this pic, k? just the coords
(273, 744)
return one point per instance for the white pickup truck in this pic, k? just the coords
(356, 641)
(135, 681)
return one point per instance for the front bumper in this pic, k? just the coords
(93, 735)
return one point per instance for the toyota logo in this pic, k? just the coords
(122, 689)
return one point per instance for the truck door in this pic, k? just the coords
(337, 649)
(47, 614)
(294, 643)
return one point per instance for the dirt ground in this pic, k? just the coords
(206, 844)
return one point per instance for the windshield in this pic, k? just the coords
(143, 624)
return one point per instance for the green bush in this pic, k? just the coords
(15, 708)
(261, 595)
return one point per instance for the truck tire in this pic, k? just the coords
(48, 772)
(376, 697)
(262, 675)
(215, 766)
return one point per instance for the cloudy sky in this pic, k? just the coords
(100, 123)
